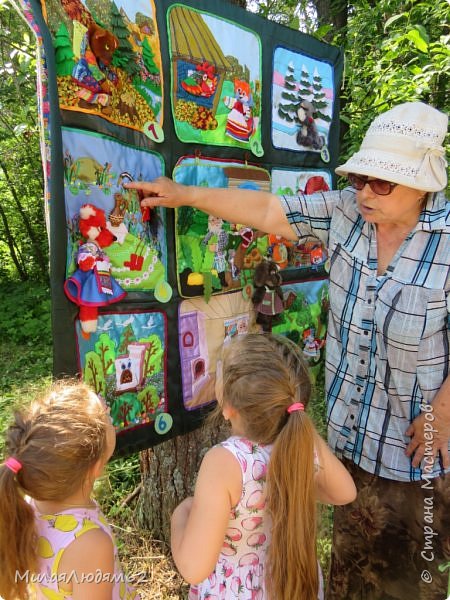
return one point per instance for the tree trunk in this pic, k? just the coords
(241, 3)
(335, 14)
(168, 473)
(13, 250)
(332, 13)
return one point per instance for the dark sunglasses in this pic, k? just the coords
(378, 186)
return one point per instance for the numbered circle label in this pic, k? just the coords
(325, 154)
(163, 291)
(163, 423)
(154, 131)
(256, 148)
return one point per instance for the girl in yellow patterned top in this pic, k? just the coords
(54, 541)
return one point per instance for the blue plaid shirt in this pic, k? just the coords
(388, 335)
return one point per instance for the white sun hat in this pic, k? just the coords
(404, 145)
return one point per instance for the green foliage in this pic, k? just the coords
(26, 370)
(208, 260)
(292, 13)
(122, 476)
(25, 349)
(196, 254)
(23, 246)
(396, 51)
(25, 314)
(324, 539)
(317, 408)
(185, 217)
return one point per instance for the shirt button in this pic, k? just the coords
(362, 361)
(352, 417)
(366, 333)
(358, 389)
(369, 301)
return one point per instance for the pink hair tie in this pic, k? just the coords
(296, 406)
(13, 464)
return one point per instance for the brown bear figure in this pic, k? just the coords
(308, 135)
(267, 296)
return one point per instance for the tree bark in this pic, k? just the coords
(168, 473)
(241, 3)
(332, 13)
(21, 269)
(335, 14)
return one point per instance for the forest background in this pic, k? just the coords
(395, 51)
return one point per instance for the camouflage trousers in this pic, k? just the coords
(393, 542)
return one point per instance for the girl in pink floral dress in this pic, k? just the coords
(249, 532)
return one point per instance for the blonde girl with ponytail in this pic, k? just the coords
(249, 532)
(54, 541)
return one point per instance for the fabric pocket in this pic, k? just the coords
(407, 314)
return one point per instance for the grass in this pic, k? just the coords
(25, 370)
(27, 367)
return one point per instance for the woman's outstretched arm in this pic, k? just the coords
(257, 209)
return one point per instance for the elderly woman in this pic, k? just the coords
(387, 379)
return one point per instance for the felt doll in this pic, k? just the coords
(308, 135)
(311, 345)
(245, 233)
(93, 227)
(92, 285)
(92, 72)
(267, 297)
(202, 81)
(216, 241)
(315, 184)
(116, 217)
(279, 250)
(240, 118)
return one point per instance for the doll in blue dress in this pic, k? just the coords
(92, 285)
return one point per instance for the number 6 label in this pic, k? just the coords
(163, 423)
